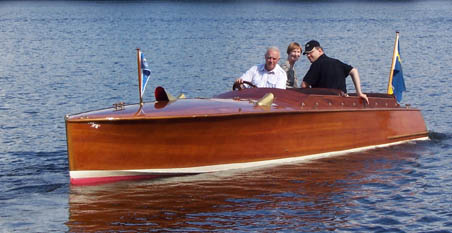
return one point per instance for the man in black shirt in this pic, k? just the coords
(326, 72)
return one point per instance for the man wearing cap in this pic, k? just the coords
(269, 74)
(326, 72)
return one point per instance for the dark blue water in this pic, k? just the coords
(58, 58)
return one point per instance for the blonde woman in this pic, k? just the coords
(293, 53)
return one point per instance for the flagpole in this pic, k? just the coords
(391, 73)
(139, 76)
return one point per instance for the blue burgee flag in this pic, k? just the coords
(398, 84)
(145, 73)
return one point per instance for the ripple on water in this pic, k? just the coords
(60, 57)
(386, 221)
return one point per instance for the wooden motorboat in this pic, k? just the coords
(237, 129)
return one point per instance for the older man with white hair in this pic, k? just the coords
(269, 75)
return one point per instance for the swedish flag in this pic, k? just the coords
(396, 79)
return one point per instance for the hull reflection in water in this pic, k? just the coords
(326, 194)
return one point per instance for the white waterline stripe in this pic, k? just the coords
(222, 167)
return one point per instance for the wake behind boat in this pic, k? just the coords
(237, 129)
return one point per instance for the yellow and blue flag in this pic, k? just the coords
(397, 82)
(145, 73)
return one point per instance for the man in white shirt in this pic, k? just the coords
(269, 74)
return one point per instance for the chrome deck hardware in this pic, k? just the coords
(119, 106)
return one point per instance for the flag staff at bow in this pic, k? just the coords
(396, 84)
(143, 74)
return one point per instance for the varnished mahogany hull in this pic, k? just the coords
(115, 149)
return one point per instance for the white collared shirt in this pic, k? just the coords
(261, 77)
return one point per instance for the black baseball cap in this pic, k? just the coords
(308, 47)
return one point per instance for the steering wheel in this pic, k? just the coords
(240, 86)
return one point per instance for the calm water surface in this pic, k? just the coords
(58, 58)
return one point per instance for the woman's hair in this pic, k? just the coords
(292, 46)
